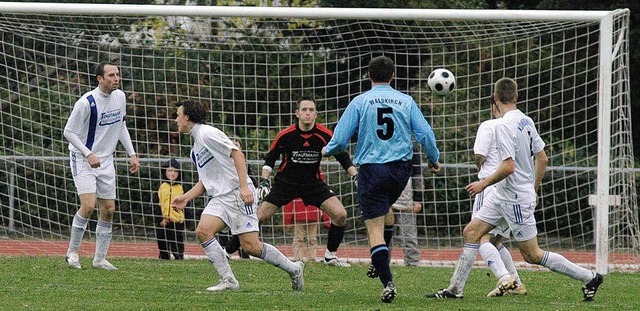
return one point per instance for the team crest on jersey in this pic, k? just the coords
(201, 157)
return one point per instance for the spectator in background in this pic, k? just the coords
(306, 224)
(405, 209)
(170, 223)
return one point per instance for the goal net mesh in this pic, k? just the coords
(249, 72)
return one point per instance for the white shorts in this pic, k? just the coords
(101, 180)
(518, 216)
(231, 209)
(480, 202)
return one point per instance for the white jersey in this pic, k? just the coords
(97, 119)
(518, 139)
(211, 154)
(485, 145)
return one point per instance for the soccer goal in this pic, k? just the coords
(249, 65)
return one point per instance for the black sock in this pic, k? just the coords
(334, 237)
(388, 235)
(380, 260)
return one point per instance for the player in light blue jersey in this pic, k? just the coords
(385, 121)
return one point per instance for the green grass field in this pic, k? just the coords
(46, 283)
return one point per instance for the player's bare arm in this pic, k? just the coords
(241, 166)
(540, 166)
(506, 168)
(180, 202)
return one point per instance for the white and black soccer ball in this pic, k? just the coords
(441, 81)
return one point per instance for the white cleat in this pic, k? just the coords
(335, 262)
(104, 264)
(225, 284)
(503, 287)
(297, 280)
(73, 260)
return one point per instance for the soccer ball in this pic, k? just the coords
(441, 81)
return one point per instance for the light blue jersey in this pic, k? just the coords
(384, 119)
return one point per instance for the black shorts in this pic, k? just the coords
(283, 192)
(380, 185)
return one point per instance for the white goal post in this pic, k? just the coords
(249, 65)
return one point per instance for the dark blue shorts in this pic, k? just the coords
(380, 185)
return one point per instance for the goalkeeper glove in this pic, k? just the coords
(264, 188)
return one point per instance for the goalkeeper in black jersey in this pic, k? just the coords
(299, 147)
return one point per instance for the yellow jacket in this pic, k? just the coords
(166, 193)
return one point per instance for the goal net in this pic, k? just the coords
(249, 65)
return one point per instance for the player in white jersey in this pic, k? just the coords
(522, 167)
(222, 173)
(96, 124)
(495, 254)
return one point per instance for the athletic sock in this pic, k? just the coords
(217, 258)
(78, 227)
(380, 260)
(508, 262)
(103, 240)
(334, 237)
(273, 256)
(491, 256)
(463, 268)
(558, 263)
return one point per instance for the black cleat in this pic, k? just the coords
(589, 290)
(389, 293)
(444, 293)
(371, 272)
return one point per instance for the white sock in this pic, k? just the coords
(508, 262)
(273, 256)
(217, 258)
(328, 254)
(557, 263)
(491, 256)
(103, 240)
(78, 226)
(463, 268)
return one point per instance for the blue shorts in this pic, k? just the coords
(380, 185)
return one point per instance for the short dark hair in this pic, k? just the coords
(194, 110)
(309, 98)
(381, 69)
(100, 68)
(506, 90)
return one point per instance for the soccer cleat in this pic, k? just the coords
(589, 290)
(371, 272)
(389, 293)
(335, 262)
(297, 280)
(228, 283)
(104, 264)
(519, 290)
(444, 293)
(73, 261)
(503, 287)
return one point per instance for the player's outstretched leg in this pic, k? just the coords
(589, 290)
(297, 279)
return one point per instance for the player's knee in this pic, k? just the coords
(471, 234)
(252, 246)
(203, 234)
